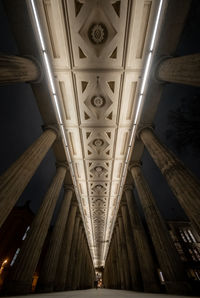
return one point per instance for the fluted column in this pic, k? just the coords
(183, 70)
(14, 69)
(71, 263)
(132, 255)
(20, 277)
(117, 262)
(16, 178)
(77, 271)
(80, 258)
(61, 272)
(114, 263)
(48, 270)
(124, 254)
(122, 277)
(182, 182)
(146, 262)
(169, 260)
(83, 266)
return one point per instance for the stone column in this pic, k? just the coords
(14, 69)
(183, 70)
(83, 266)
(117, 262)
(48, 270)
(122, 278)
(169, 260)
(146, 262)
(20, 277)
(61, 272)
(16, 178)
(114, 264)
(71, 263)
(132, 255)
(79, 254)
(181, 181)
(124, 253)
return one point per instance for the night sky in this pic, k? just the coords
(21, 125)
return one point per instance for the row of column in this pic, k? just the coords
(132, 249)
(67, 263)
(12, 183)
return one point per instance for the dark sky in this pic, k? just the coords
(21, 125)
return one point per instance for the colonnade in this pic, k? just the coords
(158, 254)
(130, 263)
(67, 263)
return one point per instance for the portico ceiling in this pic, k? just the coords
(97, 50)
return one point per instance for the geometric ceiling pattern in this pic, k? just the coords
(97, 49)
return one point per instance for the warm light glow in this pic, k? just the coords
(3, 265)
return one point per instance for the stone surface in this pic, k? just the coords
(48, 270)
(182, 182)
(102, 293)
(168, 258)
(15, 69)
(146, 262)
(19, 280)
(61, 272)
(16, 178)
(183, 70)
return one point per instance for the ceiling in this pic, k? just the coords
(97, 50)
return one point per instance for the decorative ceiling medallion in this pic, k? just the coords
(98, 33)
(98, 101)
(98, 142)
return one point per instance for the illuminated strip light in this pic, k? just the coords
(141, 96)
(53, 90)
(38, 25)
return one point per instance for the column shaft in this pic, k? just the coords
(132, 255)
(15, 69)
(16, 178)
(168, 257)
(183, 70)
(124, 254)
(61, 272)
(146, 262)
(117, 262)
(48, 270)
(122, 277)
(181, 181)
(77, 273)
(71, 263)
(20, 277)
(76, 259)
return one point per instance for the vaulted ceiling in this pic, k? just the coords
(97, 50)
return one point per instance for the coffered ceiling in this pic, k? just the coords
(97, 50)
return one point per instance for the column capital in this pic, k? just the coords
(63, 164)
(128, 187)
(159, 61)
(74, 203)
(68, 187)
(134, 164)
(54, 127)
(40, 68)
(143, 126)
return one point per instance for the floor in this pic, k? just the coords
(99, 293)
